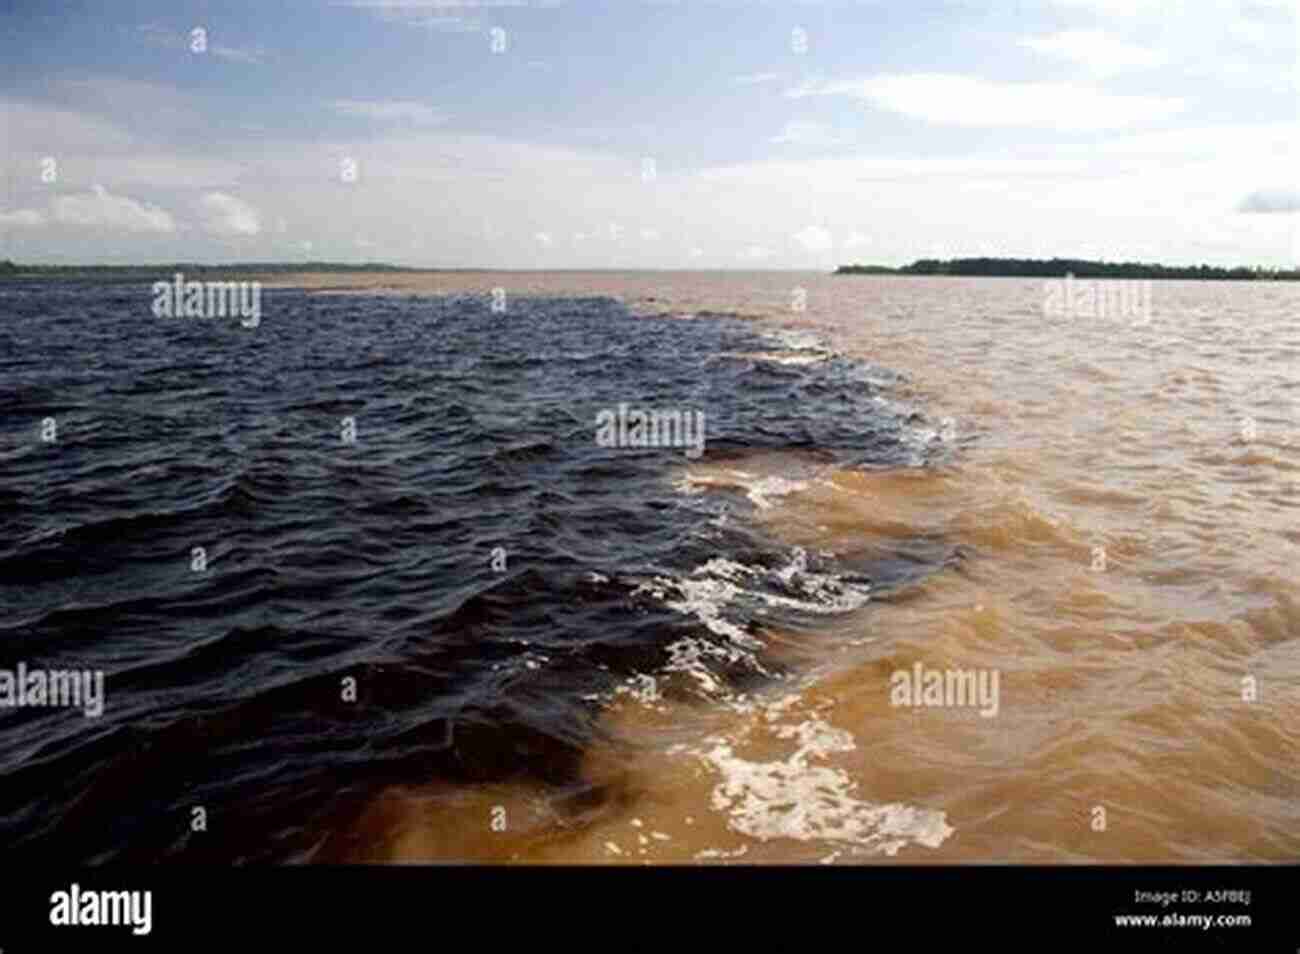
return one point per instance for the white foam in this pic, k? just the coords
(709, 854)
(796, 359)
(760, 490)
(798, 340)
(791, 798)
(795, 795)
(828, 593)
(688, 656)
(704, 599)
(777, 357)
(722, 582)
(763, 489)
(643, 688)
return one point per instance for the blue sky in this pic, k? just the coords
(684, 134)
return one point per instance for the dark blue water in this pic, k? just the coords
(330, 561)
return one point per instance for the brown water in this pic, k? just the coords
(1126, 493)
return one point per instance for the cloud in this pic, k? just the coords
(444, 4)
(971, 101)
(416, 114)
(755, 253)
(447, 16)
(1099, 51)
(43, 130)
(802, 133)
(848, 173)
(441, 24)
(545, 239)
(223, 214)
(238, 54)
(1117, 8)
(151, 113)
(1265, 201)
(153, 170)
(753, 79)
(649, 235)
(814, 239)
(22, 218)
(101, 209)
(159, 35)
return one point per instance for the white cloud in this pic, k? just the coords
(44, 130)
(159, 35)
(152, 170)
(416, 114)
(1099, 51)
(971, 101)
(1117, 8)
(753, 79)
(814, 239)
(843, 174)
(1062, 192)
(444, 15)
(544, 239)
(755, 253)
(1266, 201)
(802, 133)
(101, 209)
(238, 54)
(223, 214)
(22, 218)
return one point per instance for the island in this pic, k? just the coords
(1079, 268)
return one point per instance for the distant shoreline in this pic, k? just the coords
(278, 272)
(13, 270)
(1079, 268)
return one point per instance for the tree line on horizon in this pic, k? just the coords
(10, 269)
(1079, 268)
(974, 267)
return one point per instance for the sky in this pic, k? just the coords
(702, 134)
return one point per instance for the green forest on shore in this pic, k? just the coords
(1079, 268)
(972, 267)
(11, 270)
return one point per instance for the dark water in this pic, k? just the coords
(370, 560)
